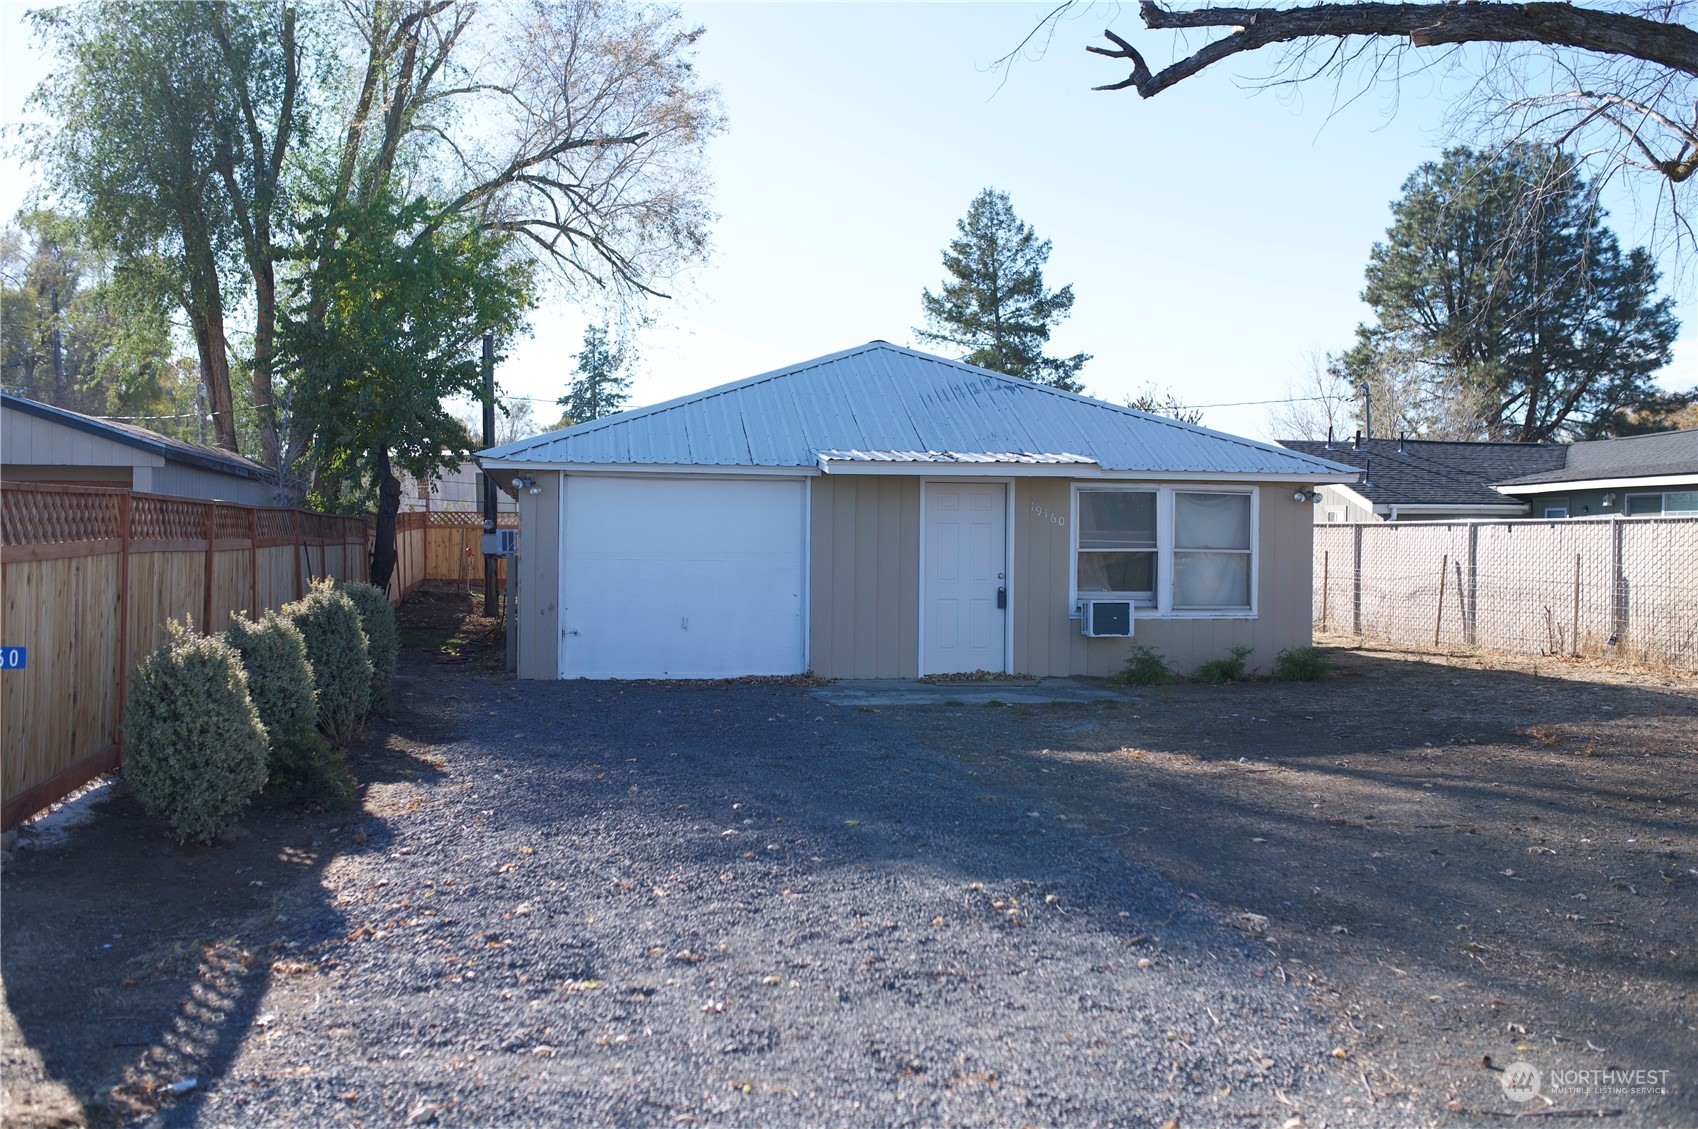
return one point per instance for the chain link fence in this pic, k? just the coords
(1611, 587)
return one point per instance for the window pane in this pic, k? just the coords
(1117, 572)
(1638, 504)
(1211, 521)
(1211, 580)
(1117, 519)
(1682, 502)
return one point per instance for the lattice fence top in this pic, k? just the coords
(232, 523)
(167, 519)
(451, 519)
(277, 524)
(50, 517)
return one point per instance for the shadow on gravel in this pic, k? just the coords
(1532, 839)
(134, 968)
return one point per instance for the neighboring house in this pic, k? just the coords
(458, 490)
(882, 513)
(1637, 476)
(41, 443)
(1423, 479)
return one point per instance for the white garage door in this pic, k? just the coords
(682, 577)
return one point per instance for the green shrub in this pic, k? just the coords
(280, 682)
(1301, 664)
(194, 748)
(1144, 667)
(1230, 669)
(383, 640)
(336, 648)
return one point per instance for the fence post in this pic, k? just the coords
(1618, 585)
(1471, 610)
(253, 563)
(1574, 644)
(123, 619)
(1438, 616)
(211, 544)
(300, 552)
(1356, 572)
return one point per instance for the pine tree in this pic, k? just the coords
(994, 304)
(1505, 308)
(599, 387)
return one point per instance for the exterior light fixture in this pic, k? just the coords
(1307, 496)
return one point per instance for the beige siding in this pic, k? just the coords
(864, 577)
(538, 617)
(1047, 642)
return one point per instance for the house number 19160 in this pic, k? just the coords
(1049, 515)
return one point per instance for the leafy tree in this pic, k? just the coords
(1499, 289)
(78, 332)
(600, 387)
(994, 304)
(1164, 402)
(135, 105)
(388, 324)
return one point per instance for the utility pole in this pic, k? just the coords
(490, 606)
(1367, 410)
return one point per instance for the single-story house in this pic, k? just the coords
(882, 513)
(41, 443)
(1425, 479)
(456, 491)
(1635, 475)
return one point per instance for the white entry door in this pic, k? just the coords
(964, 602)
(682, 577)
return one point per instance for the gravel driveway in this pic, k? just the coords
(643, 904)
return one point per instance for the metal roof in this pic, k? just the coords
(207, 458)
(1014, 457)
(881, 398)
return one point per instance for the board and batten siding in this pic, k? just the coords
(1048, 642)
(864, 576)
(538, 581)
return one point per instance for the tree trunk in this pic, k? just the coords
(383, 555)
(265, 332)
(204, 303)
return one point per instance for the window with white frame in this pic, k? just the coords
(1211, 551)
(1117, 544)
(1187, 551)
(1674, 501)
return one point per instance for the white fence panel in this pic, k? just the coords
(1612, 587)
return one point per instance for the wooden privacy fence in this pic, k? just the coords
(1610, 587)
(90, 578)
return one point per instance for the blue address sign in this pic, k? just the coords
(14, 658)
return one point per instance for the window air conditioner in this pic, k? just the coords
(1106, 618)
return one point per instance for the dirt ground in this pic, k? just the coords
(128, 961)
(1470, 865)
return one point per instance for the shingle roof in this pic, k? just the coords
(881, 398)
(1434, 472)
(207, 458)
(1660, 453)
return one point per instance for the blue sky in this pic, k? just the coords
(1214, 237)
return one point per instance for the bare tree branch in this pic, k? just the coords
(1670, 45)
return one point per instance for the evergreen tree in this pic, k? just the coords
(994, 304)
(599, 387)
(1505, 309)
